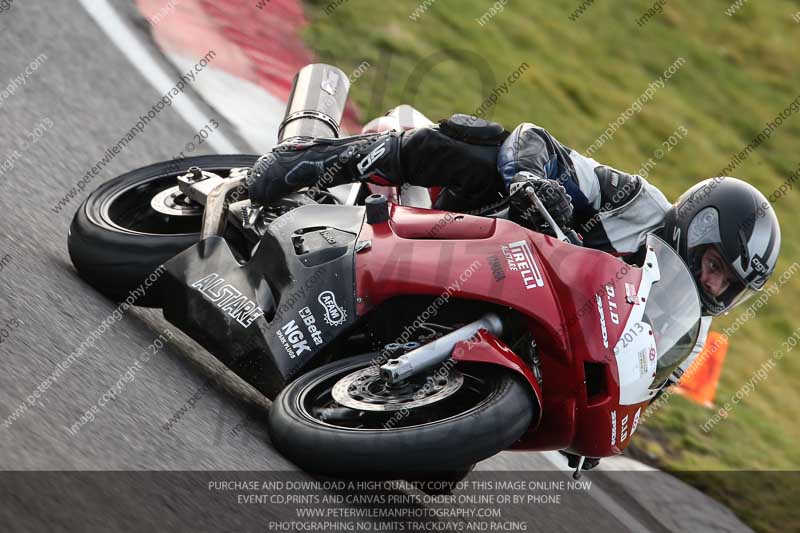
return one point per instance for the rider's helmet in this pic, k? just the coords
(735, 219)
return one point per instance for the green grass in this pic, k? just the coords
(740, 72)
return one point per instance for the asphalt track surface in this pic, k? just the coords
(92, 96)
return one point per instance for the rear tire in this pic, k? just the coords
(484, 426)
(117, 240)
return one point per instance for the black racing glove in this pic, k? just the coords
(553, 195)
(325, 163)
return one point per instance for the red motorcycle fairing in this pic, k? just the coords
(574, 299)
(427, 224)
(594, 289)
(486, 348)
(445, 261)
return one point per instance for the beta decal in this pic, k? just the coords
(229, 299)
(520, 259)
(311, 324)
(335, 315)
(293, 339)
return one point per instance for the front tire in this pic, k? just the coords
(117, 239)
(489, 412)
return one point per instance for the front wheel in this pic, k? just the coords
(134, 223)
(343, 418)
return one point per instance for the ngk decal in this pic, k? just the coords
(520, 259)
(603, 328)
(229, 299)
(292, 338)
(311, 324)
(334, 313)
(612, 305)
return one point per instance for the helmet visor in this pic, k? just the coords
(718, 282)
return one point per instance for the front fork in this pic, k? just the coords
(435, 352)
(476, 342)
(214, 192)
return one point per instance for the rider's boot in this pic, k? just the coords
(326, 163)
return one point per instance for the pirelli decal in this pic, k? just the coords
(520, 259)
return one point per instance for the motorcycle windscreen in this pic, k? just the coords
(672, 310)
(663, 327)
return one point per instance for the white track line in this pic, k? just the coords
(140, 57)
(254, 112)
(606, 501)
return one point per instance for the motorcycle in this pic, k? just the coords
(390, 337)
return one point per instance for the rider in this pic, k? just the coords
(724, 228)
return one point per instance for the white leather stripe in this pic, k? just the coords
(627, 228)
(587, 179)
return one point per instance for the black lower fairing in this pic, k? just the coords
(268, 318)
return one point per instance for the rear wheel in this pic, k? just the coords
(134, 223)
(343, 418)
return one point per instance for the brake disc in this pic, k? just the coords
(174, 203)
(366, 390)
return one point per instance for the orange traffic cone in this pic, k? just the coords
(699, 382)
